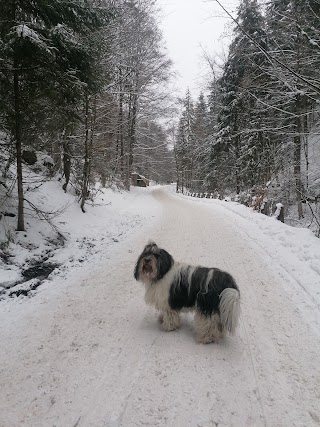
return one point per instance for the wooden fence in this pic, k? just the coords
(262, 207)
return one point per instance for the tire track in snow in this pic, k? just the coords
(254, 369)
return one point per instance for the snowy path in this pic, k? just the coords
(94, 355)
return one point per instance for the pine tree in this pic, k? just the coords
(201, 150)
(213, 172)
(293, 29)
(185, 146)
(238, 138)
(45, 68)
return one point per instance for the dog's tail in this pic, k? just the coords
(229, 308)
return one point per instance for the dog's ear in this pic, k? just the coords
(150, 247)
(136, 269)
(165, 262)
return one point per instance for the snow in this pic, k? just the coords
(279, 206)
(88, 237)
(84, 349)
(24, 31)
(9, 276)
(295, 252)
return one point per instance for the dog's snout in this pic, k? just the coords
(147, 260)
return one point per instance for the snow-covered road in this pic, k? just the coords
(93, 354)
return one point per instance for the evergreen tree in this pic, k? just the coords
(238, 136)
(185, 146)
(201, 150)
(46, 66)
(293, 27)
(213, 173)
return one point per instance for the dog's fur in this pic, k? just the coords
(172, 287)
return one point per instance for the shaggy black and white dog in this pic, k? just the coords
(172, 287)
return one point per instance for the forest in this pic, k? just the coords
(255, 137)
(86, 96)
(145, 215)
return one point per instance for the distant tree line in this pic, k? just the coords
(252, 133)
(83, 81)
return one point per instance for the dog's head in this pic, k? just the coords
(152, 264)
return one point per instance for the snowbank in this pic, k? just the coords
(75, 240)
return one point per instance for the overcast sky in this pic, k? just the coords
(187, 25)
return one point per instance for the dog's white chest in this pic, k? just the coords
(157, 295)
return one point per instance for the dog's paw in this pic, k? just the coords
(208, 339)
(169, 321)
(202, 340)
(168, 328)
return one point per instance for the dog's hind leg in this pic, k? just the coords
(208, 328)
(169, 320)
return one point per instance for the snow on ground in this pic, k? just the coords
(295, 252)
(76, 238)
(86, 351)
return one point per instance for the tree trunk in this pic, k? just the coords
(67, 154)
(18, 138)
(89, 133)
(66, 160)
(120, 136)
(236, 174)
(192, 186)
(85, 175)
(131, 139)
(306, 146)
(297, 158)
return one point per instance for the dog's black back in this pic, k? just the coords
(199, 289)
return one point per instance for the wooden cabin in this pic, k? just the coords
(139, 181)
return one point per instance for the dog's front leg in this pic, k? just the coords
(169, 320)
